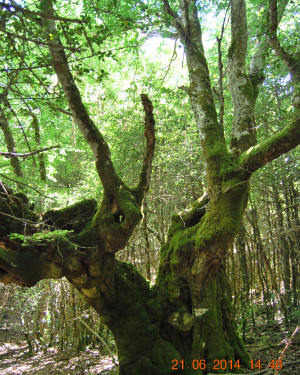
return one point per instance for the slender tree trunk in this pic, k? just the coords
(245, 286)
(261, 267)
(10, 144)
(285, 249)
(37, 137)
(295, 249)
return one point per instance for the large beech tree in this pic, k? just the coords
(187, 314)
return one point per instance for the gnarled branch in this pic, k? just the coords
(93, 136)
(145, 175)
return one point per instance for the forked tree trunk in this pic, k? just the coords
(187, 316)
(152, 338)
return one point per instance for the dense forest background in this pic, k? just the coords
(125, 53)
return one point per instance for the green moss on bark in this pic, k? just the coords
(73, 217)
(191, 261)
(141, 350)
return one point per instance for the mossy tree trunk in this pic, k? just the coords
(187, 316)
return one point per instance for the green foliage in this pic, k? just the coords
(39, 238)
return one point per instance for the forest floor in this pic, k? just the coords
(265, 344)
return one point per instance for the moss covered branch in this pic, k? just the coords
(119, 199)
(29, 264)
(270, 149)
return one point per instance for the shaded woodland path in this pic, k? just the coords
(265, 343)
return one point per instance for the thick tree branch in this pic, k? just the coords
(73, 217)
(119, 211)
(270, 149)
(24, 155)
(292, 63)
(29, 256)
(71, 251)
(27, 261)
(25, 267)
(257, 64)
(145, 175)
(273, 16)
(239, 83)
(239, 34)
(200, 91)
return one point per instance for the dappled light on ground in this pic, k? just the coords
(14, 359)
(265, 343)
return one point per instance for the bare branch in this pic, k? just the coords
(24, 155)
(173, 58)
(38, 14)
(22, 183)
(59, 109)
(41, 42)
(6, 193)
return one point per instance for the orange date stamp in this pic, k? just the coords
(225, 364)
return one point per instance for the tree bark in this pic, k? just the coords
(10, 144)
(37, 136)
